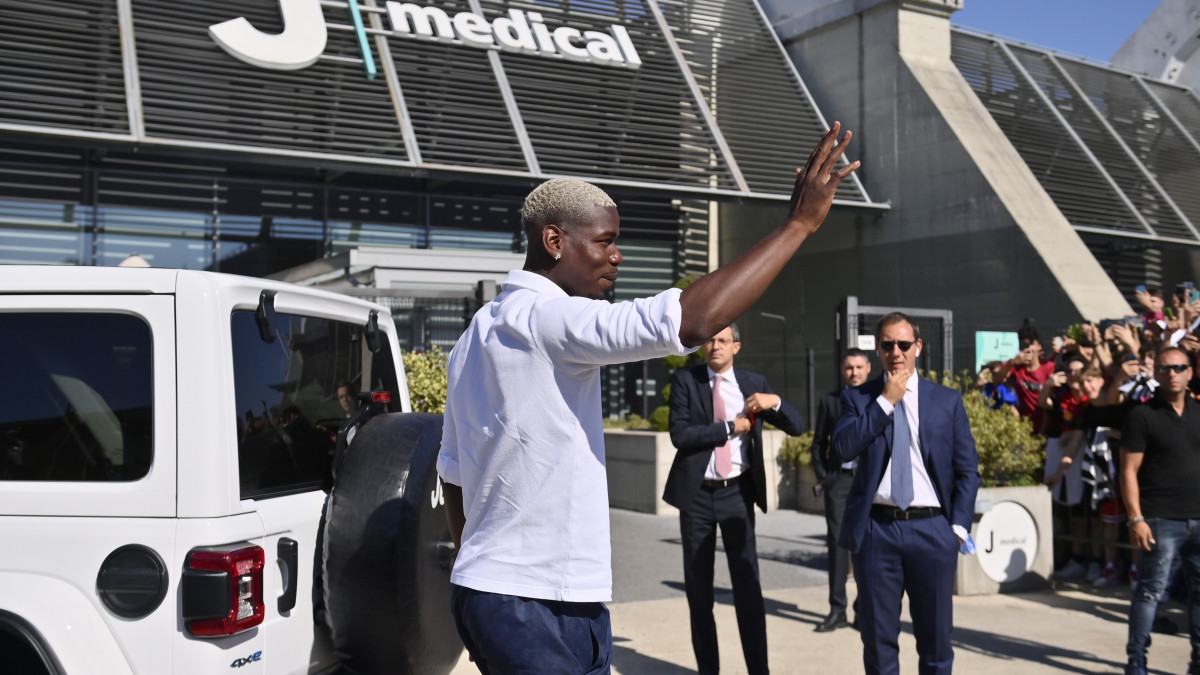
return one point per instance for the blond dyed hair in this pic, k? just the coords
(563, 201)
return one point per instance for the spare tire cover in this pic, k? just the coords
(387, 552)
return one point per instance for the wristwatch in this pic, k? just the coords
(732, 426)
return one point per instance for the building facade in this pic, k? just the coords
(260, 136)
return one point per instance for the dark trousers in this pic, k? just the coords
(732, 510)
(914, 557)
(836, 492)
(510, 635)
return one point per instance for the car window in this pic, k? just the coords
(78, 400)
(287, 397)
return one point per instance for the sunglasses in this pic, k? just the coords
(905, 345)
(1176, 368)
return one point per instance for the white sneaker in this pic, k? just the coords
(1109, 576)
(1093, 571)
(1072, 570)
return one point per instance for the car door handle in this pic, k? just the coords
(289, 550)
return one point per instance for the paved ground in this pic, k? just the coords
(1067, 629)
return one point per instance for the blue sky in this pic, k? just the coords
(1091, 28)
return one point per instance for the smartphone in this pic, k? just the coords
(1183, 290)
(1140, 288)
(1193, 295)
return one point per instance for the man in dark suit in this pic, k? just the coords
(912, 501)
(717, 477)
(834, 478)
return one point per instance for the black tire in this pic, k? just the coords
(387, 552)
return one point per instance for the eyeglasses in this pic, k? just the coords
(1175, 367)
(905, 345)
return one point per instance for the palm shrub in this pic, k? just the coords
(426, 374)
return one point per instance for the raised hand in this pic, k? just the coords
(759, 402)
(896, 385)
(817, 182)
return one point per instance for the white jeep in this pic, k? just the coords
(166, 446)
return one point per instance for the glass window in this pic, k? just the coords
(287, 393)
(78, 400)
(43, 233)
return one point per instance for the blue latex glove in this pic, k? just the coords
(968, 546)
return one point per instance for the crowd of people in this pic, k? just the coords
(1116, 402)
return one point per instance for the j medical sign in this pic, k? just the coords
(305, 34)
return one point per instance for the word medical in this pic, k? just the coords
(518, 32)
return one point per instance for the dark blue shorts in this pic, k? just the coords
(509, 635)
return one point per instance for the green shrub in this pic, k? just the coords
(1009, 452)
(797, 450)
(426, 374)
(660, 419)
(631, 422)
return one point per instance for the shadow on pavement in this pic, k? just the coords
(1108, 604)
(1003, 647)
(629, 660)
(792, 611)
(815, 557)
(783, 610)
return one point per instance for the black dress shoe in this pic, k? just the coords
(832, 622)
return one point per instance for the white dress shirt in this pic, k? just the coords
(923, 494)
(523, 434)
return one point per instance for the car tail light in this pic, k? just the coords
(223, 590)
(381, 397)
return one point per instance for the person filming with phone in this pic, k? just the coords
(1026, 374)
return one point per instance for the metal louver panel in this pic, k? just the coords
(606, 122)
(1079, 189)
(768, 121)
(454, 104)
(194, 91)
(649, 266)
(1149, 133)
(1087, 188)
(692, 257)
(28, 173)
(1182, 103)
(61, 66)
(1067, 144)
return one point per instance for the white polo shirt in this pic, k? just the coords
(523, 434)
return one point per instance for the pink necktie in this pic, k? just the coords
(724, 461)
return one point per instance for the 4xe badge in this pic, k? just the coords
(238, 663)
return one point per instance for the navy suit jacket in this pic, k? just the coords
(864, 431)
(695, 434)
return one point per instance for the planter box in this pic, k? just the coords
(638, 463)
(796, 488)
(1014, 542)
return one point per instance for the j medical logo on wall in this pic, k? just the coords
(305, 35)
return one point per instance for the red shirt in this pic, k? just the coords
(1068, 411)
(1027, 383)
